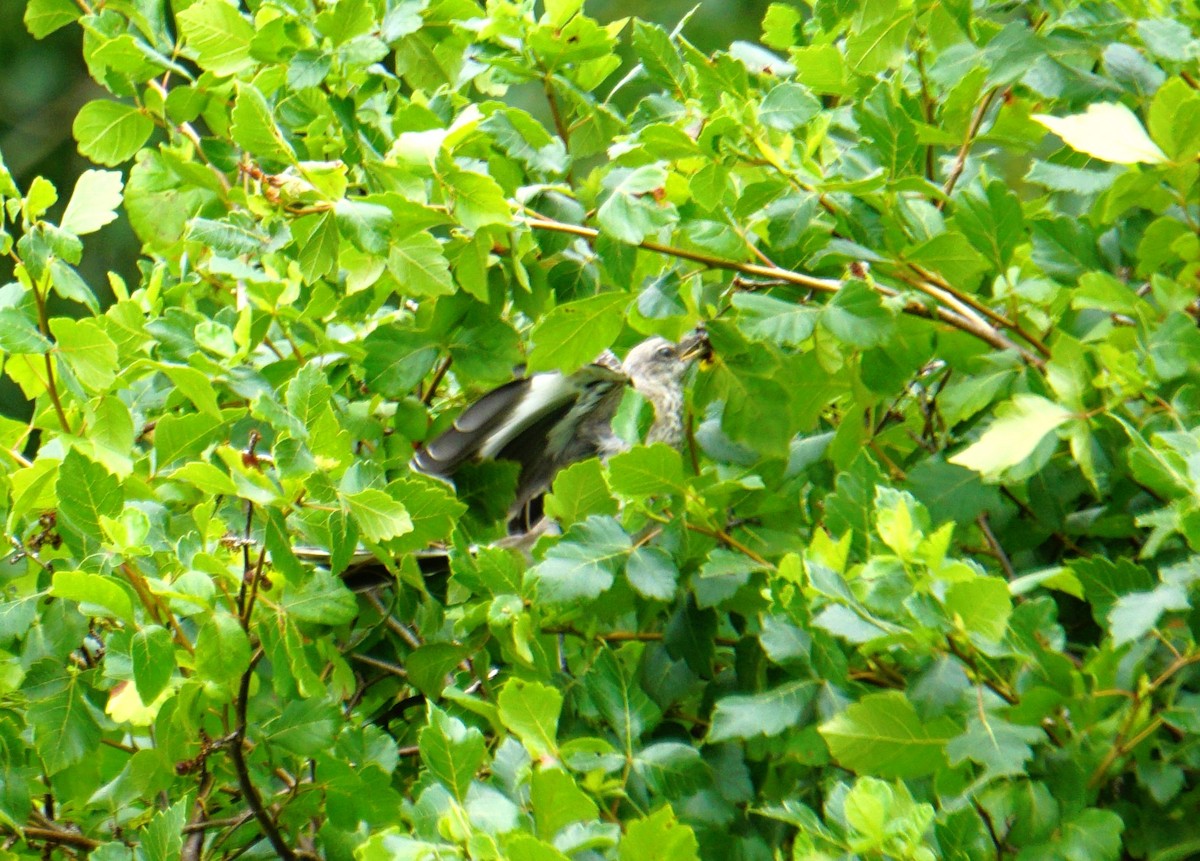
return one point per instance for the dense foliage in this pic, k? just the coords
(920, 585)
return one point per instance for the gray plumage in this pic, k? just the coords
(548, 421)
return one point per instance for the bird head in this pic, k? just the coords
(658, 364)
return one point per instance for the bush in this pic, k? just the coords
(920, 585)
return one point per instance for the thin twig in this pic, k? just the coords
(990, 537)
(51, 386)
(394, 669)
(994, 685)
(968, 299)
(960, 162)
(444, 366)
(624, 636)
(978, 329)
(728, 540)
(63, 838)
(238, 754)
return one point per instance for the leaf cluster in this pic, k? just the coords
(921, 583)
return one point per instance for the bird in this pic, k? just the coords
(544, 422)
(547, 421)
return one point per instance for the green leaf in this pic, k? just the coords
(787, 107)
(880, 46)
(645, 470)
(367, 225)
(658, 56)
(306, 727)
(152, 654)
(378, 515)
(430, 665)
(1015, 433)
(557, 801)
(397, 359)
(779, 26)
(96, 594)
(94, 201)
(43, 17)
(254, 128)
(88, 350)
(584, 563)
(110, 132)
(64, 726)
(672, 768)
(1109, 132)
(420, 266)
(1136, 614)
(222, 649)
(19, 334)
(953, 257)
(1002, 748)
(768, 713)
(433, 509)
(856, 316)
(451, 751)
(530, 710)
(631, 212)
(69, 285)
(882, 735)
(575, 333)
(217, 36)
(765, 318)
(1093, 835)
(1175, 116)
(659, 836)
(177, 437)
(317, 239)
(579, 491)
(620, 699)
(322, 599)
(983, 604)
(652, 573)
(226, 238)
(478, 199)
(194, 385)
(86, 492)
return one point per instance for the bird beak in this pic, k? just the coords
(695, 346)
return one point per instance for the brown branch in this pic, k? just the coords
(39, 299)
(560, 127)
(63, 838)
(193, 844)
(990, 537)
(978, 329)
(238, 754)
(995, 317)
(993, 685)
(209, 824)
(927, 108)
(444, 366)
(624, 636)
(155, 606)
(190, 133)
(960, 162)
(394, 669)
(731, 542)
(991, 827)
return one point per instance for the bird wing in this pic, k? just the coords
(506, 421)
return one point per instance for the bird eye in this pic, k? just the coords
(666, 352)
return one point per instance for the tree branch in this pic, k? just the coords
(960, 162)
(238, 754)
(972, 326)
(51, 387)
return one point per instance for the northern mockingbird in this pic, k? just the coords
(550, 420)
